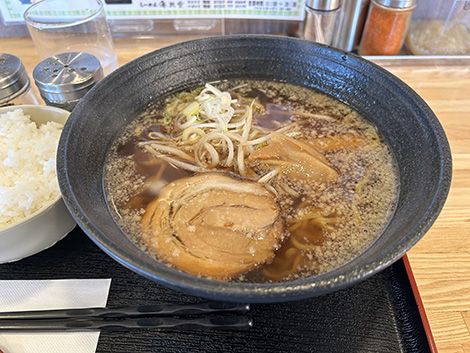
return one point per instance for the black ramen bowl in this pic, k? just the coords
(405, 121)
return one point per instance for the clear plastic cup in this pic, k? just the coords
(58, 26)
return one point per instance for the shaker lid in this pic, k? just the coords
(324, 5)
(13, 75)
(397, 4)
(67, 76)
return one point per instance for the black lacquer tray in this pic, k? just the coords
(379, 314)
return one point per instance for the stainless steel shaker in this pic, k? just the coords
(65, 78)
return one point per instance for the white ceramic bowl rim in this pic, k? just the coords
(35, 214)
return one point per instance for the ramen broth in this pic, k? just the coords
(326, 223)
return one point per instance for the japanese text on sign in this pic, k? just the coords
(12, 10)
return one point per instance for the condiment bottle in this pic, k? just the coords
(321, 18)
(15, 87)
(386, 26)
(65, 78)
(351, 24)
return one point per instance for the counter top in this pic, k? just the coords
(440, 261)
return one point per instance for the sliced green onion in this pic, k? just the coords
(166, 120)
(171, 109)
(191, 109)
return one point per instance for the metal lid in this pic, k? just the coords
(324, 5)
(13, 76)
(397, 4)
(67, 76)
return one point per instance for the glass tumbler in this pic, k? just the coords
(58, 26)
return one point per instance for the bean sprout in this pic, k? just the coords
(210, 129)
(267, 177)
(191, 134)
(169, 150)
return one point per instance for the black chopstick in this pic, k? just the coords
(160, 316)
(132, 311)
(227, 322)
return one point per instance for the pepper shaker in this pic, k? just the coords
(65, 78)
(15, 87)
(386, 26)
(320, 20)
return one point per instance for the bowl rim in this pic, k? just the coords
(51, 203)
(266, 292)
(8, 108)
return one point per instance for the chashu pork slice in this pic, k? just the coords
(214, 226)
(296, 159)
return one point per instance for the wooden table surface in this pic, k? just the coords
(441, 259)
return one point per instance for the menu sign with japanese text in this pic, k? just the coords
(12, 10)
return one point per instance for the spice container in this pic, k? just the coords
(350, 24)
(321, 19)
(386, 26)
(15, 87)
(440, 28)
(65, 78)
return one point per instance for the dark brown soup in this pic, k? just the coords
(251, 181)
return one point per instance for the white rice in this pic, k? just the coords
(28, 179)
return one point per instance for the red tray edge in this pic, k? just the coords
(419, 303)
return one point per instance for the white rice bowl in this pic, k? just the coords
(33, 216)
